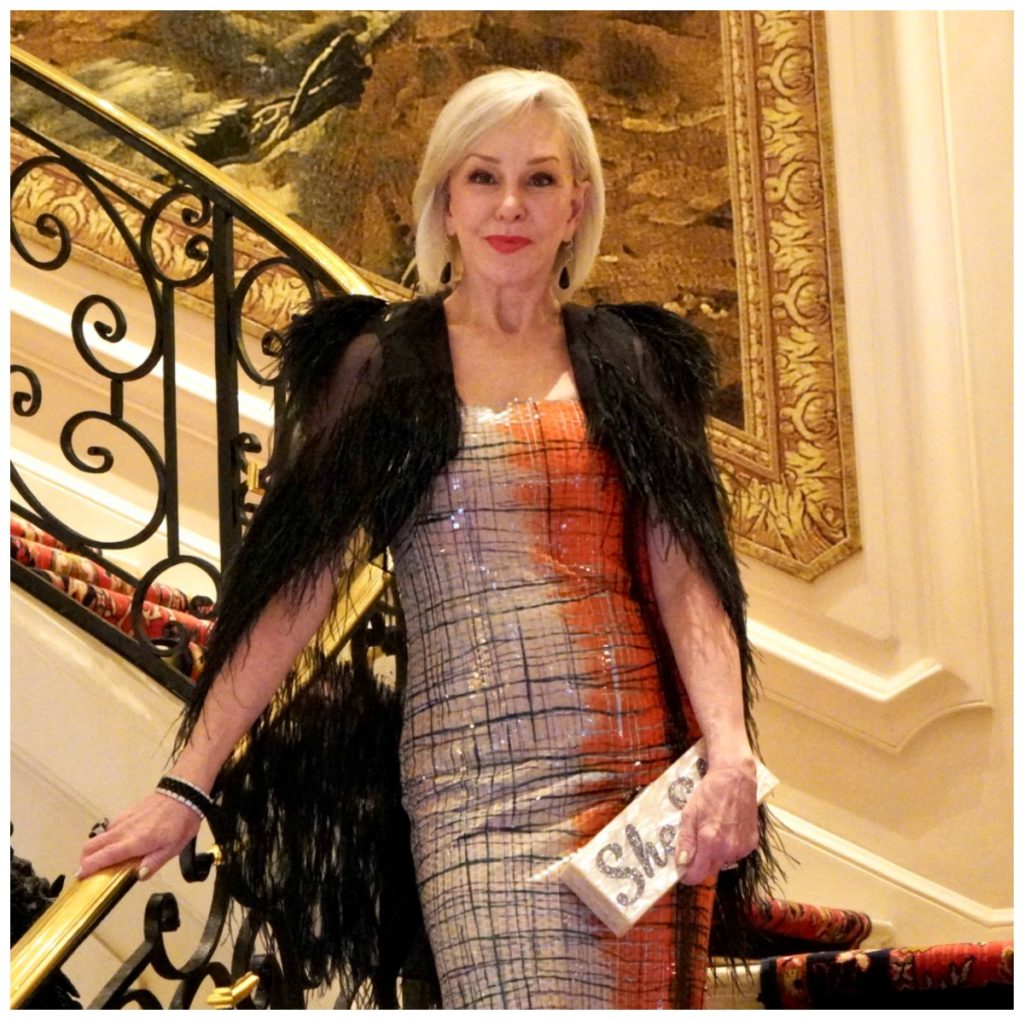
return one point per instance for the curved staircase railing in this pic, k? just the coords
(56, 935)
(177, 234)
(363, 626)
(179, 239)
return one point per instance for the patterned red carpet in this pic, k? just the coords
(783, 927)
(960, 976)
(109, 596)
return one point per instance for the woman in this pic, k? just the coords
(541, 474)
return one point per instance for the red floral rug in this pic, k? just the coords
(963, 975)
(164, 610)
(783, 927)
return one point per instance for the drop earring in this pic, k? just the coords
(563, 276)
(446, 271)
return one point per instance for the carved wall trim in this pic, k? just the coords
(882, 709)
(791, 470)
(923, 910)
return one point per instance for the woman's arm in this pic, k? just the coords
(158, 827)
(328, 366)
(719, 824)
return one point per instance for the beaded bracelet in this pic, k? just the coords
(186, 793)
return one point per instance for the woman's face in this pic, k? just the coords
(512, 201)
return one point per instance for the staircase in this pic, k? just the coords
(116, 566)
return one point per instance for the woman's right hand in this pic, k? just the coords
(153, 831)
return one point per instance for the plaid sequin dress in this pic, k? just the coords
(533, 712)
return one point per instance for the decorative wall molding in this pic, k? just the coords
(791, 471)
(885, 710)
(908, 623)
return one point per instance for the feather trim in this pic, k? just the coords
(318, 840)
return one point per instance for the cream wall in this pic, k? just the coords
(888, 708)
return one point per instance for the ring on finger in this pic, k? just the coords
(101, 826)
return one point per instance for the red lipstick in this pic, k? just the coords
(506, 244)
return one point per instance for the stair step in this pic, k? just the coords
(730, 988)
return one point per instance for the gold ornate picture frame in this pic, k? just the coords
(790, 470)
(790, 466)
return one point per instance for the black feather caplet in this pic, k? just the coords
(371, 417)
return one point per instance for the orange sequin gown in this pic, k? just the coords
(533, 712)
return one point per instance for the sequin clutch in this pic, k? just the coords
(630, 863)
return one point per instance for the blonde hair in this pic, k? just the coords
(475, 108)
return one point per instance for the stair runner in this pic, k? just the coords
(960, 976)
(810, 956)
(164, 608)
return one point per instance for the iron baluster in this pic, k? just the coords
(226, 370)
(207, 206)
(170, 395)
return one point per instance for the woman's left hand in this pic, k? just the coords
(719, 825)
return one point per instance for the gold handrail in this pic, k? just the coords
(83, 904)
(64, 926)
(59, 84)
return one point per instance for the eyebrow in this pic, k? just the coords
(529, 162)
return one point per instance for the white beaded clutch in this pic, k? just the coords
(631, 863)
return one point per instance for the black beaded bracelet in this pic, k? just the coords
(186, 793)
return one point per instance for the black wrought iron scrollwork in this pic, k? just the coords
(176, 637)
(141, 997)
(100, 189)
(176, 235)
(245, 285)
(27, 404)
(48, 225)
(106, 462)
(243, 444)
(112, 334)
(161, 918)
(272, 343)
(109, 324)
(66, 443)
(281, 980)
(197, 248)
(203, 254)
